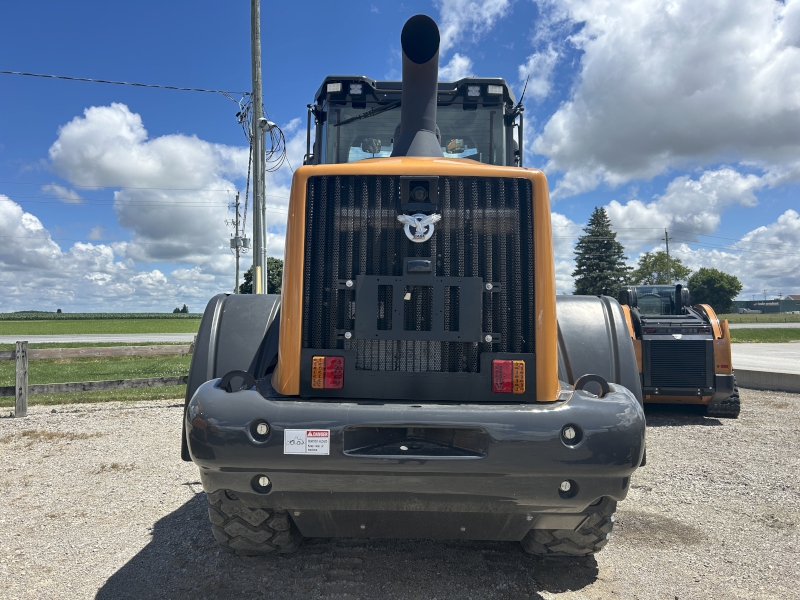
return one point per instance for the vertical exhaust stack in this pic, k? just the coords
(416, 134)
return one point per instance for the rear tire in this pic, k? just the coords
(589, 538)
(728, 408)
(250, 531)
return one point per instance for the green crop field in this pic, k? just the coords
(67, 326)
(774, 318)
(99, 369)
(765, 335)
(34, 315)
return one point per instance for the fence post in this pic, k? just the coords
(21, 385)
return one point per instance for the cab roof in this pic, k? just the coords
(388, 91)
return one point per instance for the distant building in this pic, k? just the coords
(788, 304)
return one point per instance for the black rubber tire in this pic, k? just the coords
(728, 408)
(250, 531)
(589, 538)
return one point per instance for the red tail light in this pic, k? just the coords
(649, 330)
(334, 372)
(502, 376)
(704, 330)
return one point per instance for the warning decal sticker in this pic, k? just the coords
(306, 441)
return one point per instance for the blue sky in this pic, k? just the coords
(676, 114)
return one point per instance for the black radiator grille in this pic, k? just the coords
(678, 364)
(352, 229)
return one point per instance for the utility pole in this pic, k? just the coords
(239, 243)
(259, 123)
(669, 270)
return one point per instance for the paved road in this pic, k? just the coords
(776, 358)
(764, 325)
(95, 338)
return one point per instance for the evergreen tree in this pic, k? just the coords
(599, 259)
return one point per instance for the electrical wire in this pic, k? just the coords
(228, 95)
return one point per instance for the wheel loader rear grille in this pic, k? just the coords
(678, 364)
(352, 229)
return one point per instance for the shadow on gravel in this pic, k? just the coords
(670, 415)
(183, 560)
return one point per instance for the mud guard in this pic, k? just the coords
(237, 332)
(593, 338)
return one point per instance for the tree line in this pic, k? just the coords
(600, 269)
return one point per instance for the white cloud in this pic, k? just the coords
(461, 18)
(64, 194)
(565, 234)
(176, 188)
(675, 83)
(458, 67)
(173, 200)
(540, 68)
(688, 207)
(766, 258)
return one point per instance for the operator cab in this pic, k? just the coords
(356, 117)
(656, 299)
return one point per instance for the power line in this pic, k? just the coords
(131, 83)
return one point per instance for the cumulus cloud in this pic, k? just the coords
(674, 83)
(458, 67)
(766, 258)
(538, 71)
(689, 207)
(462, 18)
(176, 188)
(173, 198)
(37, 273)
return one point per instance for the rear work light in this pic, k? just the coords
(494, 89)
(508, 376)
(327, 372)
(334, 88)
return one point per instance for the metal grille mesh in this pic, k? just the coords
(486, 231)
(678, 364)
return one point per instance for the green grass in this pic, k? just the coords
(765, 335)
(99, 369)
(56, 327)
(774, 318)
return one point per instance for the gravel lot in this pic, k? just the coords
(96, 502)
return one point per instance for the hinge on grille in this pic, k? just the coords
(493, 287)
(345, 284)
(492, 338)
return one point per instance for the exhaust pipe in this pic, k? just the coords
(416, 134)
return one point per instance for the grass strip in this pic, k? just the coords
(765, 335)
(62, 370)
(767, 318)
(99, 326)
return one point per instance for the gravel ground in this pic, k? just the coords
(96, 503)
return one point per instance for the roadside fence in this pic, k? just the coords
(21, 355)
